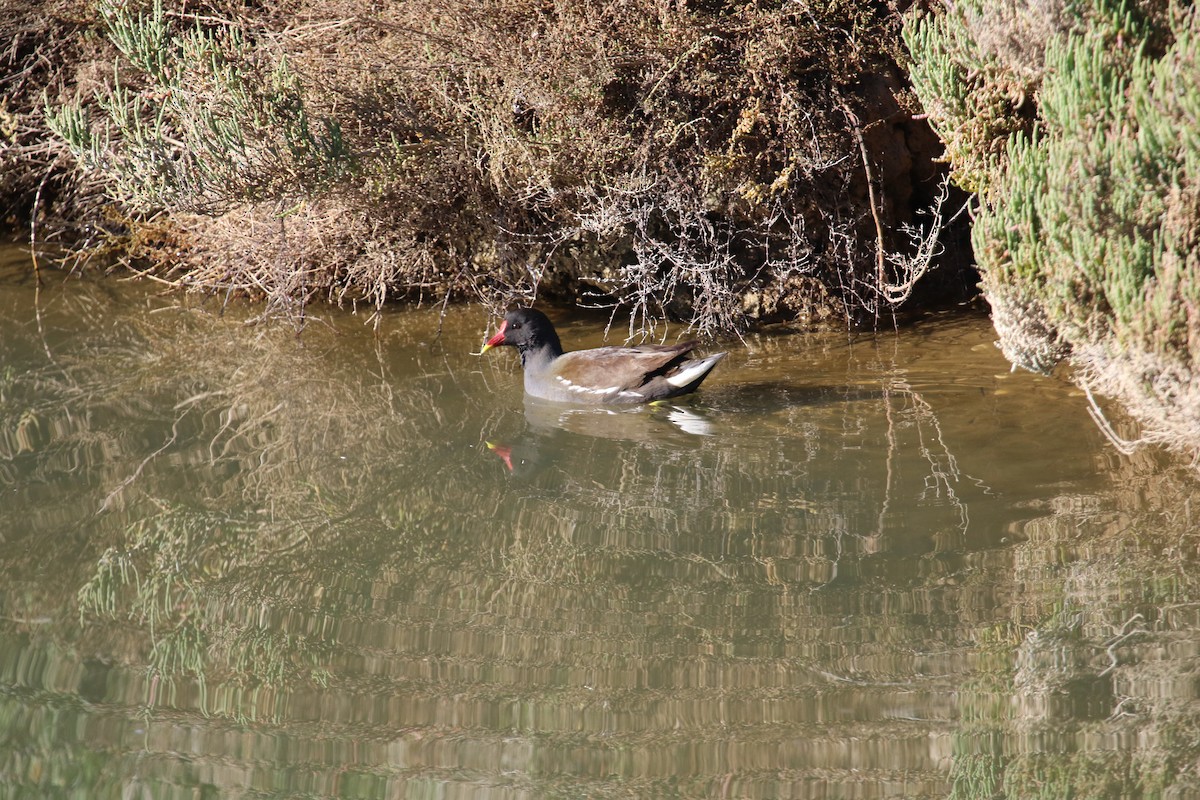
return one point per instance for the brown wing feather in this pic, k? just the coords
(619, 367)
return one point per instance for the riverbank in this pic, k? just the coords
(1077, 130)
(717, 164)
(720, 164)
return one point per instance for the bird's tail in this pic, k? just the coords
(691, 373)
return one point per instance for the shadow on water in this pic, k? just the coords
(769, 396)
(237, 562)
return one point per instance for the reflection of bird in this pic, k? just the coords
(654, 423)
(503, 451)
(555, 430)
(608, 375)
(523, 457)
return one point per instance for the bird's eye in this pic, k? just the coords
(516, 326)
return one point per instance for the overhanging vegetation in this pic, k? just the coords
(1082, 142)
(712, 162)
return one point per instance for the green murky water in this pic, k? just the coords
(237, 562)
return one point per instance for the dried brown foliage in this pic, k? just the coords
(710, 161)
(42, 53)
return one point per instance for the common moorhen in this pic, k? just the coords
(608, 375)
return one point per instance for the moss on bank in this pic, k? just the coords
(717, 162)
(1084, 148)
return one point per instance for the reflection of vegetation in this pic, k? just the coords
(1086, 700)
(208, 473)
(319, 557)
(56, 768)
(169, 578)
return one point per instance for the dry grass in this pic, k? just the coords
(668, 160)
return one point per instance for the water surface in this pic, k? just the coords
(241, 562)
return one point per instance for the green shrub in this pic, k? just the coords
(207, 128)
(1086, 232)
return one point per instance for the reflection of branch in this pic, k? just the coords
(1124, 446)
(121, 486)
(1115, 642)
(230, 420)
(696, 557)
(944, 471)
(891, 454)
(941, 477)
